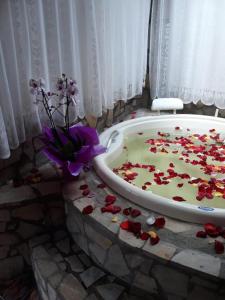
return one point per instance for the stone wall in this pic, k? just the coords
(147, 275)
(181, 266)
(23, 225)
(201, 109)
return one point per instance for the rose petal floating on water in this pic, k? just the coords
(178, 198)
(87, 210)
(180, 185)
(177, 128)
(219, 247)
(153, 149)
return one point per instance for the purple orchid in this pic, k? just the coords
(74, 149)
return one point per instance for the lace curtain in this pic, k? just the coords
(187, 47)
(102, 44)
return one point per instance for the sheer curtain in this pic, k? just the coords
(102, 44)
(187, 48)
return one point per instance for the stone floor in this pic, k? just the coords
(63, 271)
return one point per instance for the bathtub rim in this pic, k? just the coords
(183, 211)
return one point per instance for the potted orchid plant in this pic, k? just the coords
(72, 147)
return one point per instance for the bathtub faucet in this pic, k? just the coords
(111, 139)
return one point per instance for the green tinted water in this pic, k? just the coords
(137, 151)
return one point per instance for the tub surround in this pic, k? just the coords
(176, 266)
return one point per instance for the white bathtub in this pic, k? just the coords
(184, 211)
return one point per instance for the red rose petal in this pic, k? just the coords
(160, 222)
(135, 213)
(171, 165)
(201, 234)
(219, 229)
(135, 227)
(127, 211)
(178, 198)
(180, 185)
(214, 234)
(219, 247)
(111, 209)
(87, 210)
(177, 128)
(83, 187)
(110, 199)
(153, 149)
(101, 185)
(223, 233)
(210, 228)
(85, 192)
(125, 225)
(154, 240)
(144, 236)
(116, 209)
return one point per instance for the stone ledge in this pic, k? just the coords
(172, 236)
(171, 250)
(50, 184)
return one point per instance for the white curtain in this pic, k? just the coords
(187, 49)
(100, 43)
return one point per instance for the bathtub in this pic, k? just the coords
(179, 210)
